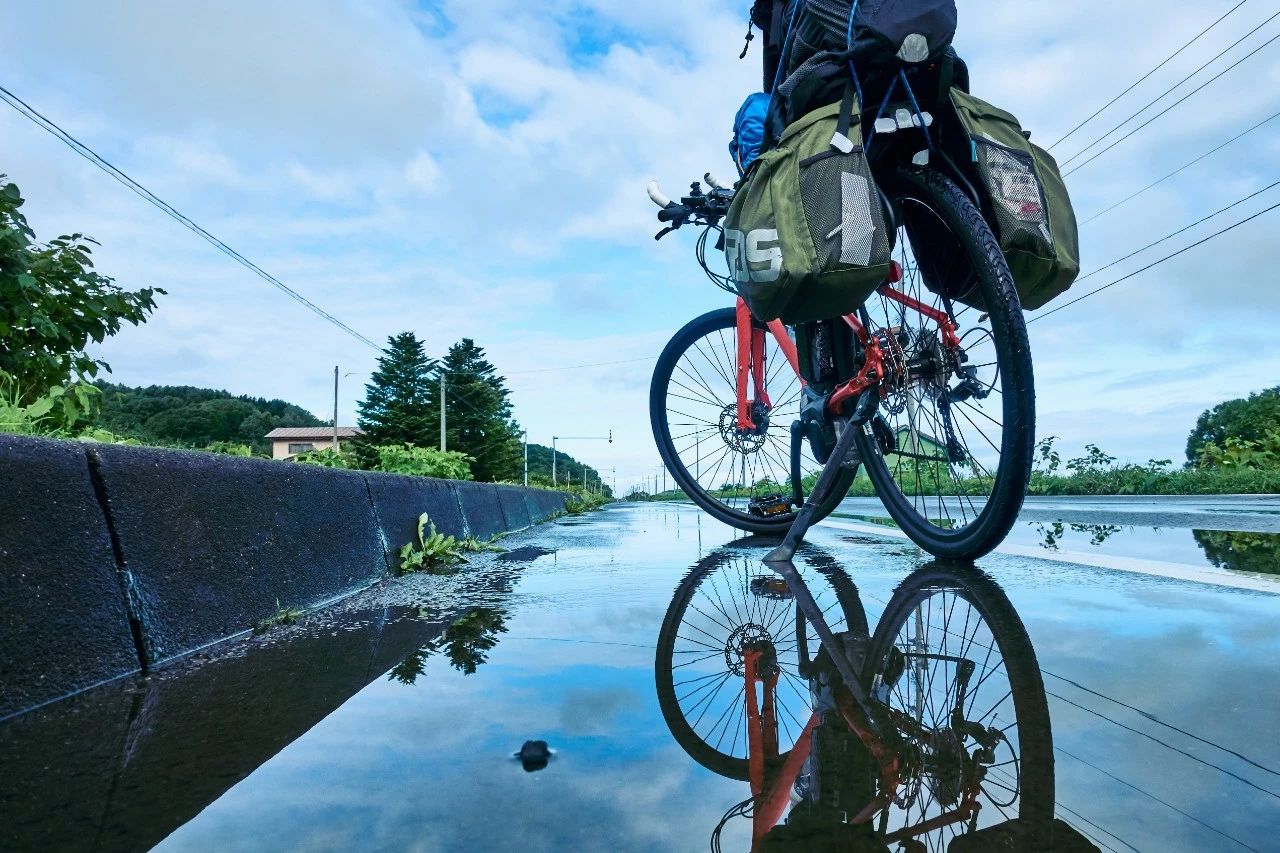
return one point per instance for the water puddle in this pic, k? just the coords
(519, 706)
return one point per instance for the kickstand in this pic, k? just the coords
(821, 490)
(863, 412)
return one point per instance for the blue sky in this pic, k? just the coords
(477, 169)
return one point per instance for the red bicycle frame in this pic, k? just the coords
(751, 360)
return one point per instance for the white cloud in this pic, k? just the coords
(477, 169)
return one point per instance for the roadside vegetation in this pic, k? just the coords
(1234, 449)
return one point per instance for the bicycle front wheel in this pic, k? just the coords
(727, 602)
(953, 467)
(693, 409)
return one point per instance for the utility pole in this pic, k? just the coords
(526, 457)
(335, 408)
(555, 438)
(443, 446)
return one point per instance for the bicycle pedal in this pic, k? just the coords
(769, 506)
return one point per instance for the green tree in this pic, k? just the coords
(53, 303)
(1245, 419)
(397, 405)
(479, 421)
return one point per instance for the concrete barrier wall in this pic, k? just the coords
(114, 558)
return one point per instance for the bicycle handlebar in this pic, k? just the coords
(702, 208)
(656, 195)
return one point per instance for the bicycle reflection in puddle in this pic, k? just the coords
(931, 732)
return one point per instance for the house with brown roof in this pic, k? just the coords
(287, 442)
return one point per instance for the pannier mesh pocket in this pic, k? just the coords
(1016, 196)
(843, 212)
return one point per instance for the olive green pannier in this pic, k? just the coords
(805, 236)
(1026, 201)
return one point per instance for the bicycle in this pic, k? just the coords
(903, 743)
(746, 413)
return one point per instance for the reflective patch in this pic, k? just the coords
(857, 228)
(754, 256)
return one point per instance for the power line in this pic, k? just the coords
(581, 366)
(1155, 263)
(1153, 718)
(1135, 83)
(1152, 796)
(48, 125)
(1180, 231)
(169, 210)
(1186, 165)
(1168, 91)
(1165, 744)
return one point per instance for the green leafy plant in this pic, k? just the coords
(53, 303)
(52, 413)
(478, 546)
(423, 461)
(282, 616)
(327, 457)
(1242, 452)
(434, 552)
(229, 448)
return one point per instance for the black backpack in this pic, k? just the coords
(808, 57)
(910, 30)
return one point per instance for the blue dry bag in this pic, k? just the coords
(748, 130)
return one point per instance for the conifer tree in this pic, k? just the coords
(479, 421)
(397, 405)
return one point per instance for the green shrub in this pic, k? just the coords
(106, 436)
(228, 448)
(423, 461)
(327, 457)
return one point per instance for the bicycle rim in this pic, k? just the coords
(957, 472)
(693, 409)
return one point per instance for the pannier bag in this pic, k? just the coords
(805, 236)
(1027, 203)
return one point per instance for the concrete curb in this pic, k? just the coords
(114, 558)
(63, 622)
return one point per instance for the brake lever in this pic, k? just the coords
(665, 231)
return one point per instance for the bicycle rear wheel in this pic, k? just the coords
(953, 467)
(950, 632)
(693, 411)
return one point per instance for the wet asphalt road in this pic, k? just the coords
(1162, 694)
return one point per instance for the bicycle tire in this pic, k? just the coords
(1031, 710)
(709, 756)
(1013, 371)
(719, 320)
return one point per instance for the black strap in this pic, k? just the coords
(946, 75)
(846, 110)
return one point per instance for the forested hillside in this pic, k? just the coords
(195, 417)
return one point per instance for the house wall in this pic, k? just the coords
(280, 446)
